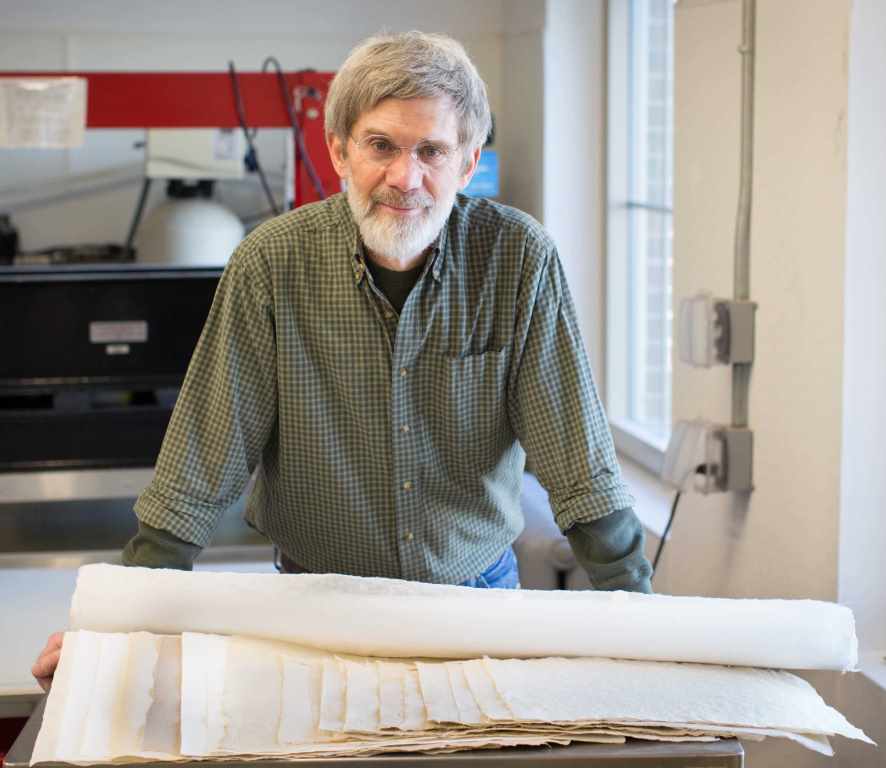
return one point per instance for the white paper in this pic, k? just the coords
(87, 650)
(468, 710)
(437, 692)
(100, 719)
(244, 697)
(487, 697)
(332, 697)
(100, 698)
(361, 697)
(42, 112)
(252, 698)
(163, 722)
(391, 696)
(267, 695)
(410, 620)
(415, 714)
(300, 706)
(135, 694)
(203, 678)
(608, 689)
(49, 741)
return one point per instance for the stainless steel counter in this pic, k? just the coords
(87, 511)
(74, 485)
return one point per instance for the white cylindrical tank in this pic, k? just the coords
(189, 233)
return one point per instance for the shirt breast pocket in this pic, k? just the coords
(468, 410)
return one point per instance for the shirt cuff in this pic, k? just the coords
(181, 516)
(606, 494)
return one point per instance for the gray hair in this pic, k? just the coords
(409, 65)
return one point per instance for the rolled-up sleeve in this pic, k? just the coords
(554, 407)
(226, 410)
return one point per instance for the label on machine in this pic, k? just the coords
(103, 332)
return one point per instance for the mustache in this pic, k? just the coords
(417, 199)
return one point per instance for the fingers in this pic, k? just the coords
(55, 641)
(44, 668)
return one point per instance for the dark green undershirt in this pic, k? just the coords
(395, 285)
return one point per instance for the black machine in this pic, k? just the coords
(91, 358)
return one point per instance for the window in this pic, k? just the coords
(640, 226)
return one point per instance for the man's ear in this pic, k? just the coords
(470, 166)
(337, 154)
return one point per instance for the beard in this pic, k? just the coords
(394, 237)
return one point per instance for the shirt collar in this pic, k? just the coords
(438, 252)
(358, 260)
(434, 261)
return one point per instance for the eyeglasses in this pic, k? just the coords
(382, 151)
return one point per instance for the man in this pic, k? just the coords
(381, 360)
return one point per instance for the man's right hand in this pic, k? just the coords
(44, 667)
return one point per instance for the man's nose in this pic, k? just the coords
(405, 172)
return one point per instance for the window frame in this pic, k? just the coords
(630, 437)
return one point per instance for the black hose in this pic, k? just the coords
(301, 149)
(667, 530)
(137, 216)
(253, 154)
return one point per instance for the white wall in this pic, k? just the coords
(197, 35)
(863, 498)
(574, 142)
(520, 124)
(783, 541)
(552, 136)
(817, 272)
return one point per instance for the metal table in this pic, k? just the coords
(726, 753)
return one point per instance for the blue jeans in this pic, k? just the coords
(502, 574)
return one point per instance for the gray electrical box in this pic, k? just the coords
(736, 471)
(735, 321)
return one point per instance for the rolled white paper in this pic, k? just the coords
(389, 618)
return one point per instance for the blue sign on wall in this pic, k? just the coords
(485, 181)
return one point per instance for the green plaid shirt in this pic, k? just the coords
(387, 445)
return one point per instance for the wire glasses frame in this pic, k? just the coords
(380, 150)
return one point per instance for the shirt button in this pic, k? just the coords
(409, 535)
(388, 315)
(403, 371)
(407, 485)
(404, 428)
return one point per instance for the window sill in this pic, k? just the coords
(641, 447)
(653, 497)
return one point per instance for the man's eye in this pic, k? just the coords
(431, 152)
(381, 146)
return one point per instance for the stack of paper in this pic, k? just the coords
(124, 696)
(352, 666)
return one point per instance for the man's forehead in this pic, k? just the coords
(421, 118)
